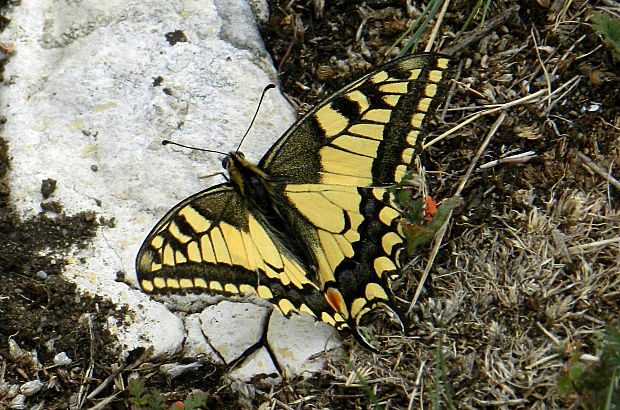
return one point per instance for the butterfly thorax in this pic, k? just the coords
(250, 181)
(260, 192)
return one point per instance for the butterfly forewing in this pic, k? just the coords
(365, 134)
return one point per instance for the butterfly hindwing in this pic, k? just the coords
(356, 240)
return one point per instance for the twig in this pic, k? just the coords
(548, 333)
(416, 385)
(513, 159)
(523, 100)
(542, 361)
(81, 398)
(452, 90)
(431, 259)
(577, 248)
(482, 148)
(542, 66)
(598, 169)
(105, 402)
(555, 101)
(143, 355)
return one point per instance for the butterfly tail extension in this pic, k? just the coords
(355, 313)
(364, 338)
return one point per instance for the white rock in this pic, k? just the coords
(299, 352)
(80, 93)
(41, 275)
(62, 359)
(258, 363)
(232, 327)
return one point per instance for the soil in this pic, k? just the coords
(513, 292)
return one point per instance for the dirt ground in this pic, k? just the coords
(528, 273)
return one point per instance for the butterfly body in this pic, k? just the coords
(313, 226)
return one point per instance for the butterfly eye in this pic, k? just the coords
(226, 162)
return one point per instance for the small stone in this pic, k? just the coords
(19, 402)
(62, 359)
(48, 186)
(31, 387)
(41, 275)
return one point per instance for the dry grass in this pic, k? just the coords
(529, 272)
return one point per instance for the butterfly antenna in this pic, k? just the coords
(269, 87)
(168, 142)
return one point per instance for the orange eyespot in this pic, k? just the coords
(336, 301)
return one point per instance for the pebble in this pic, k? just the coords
(62, 359)
(41, 275)
(31, 387)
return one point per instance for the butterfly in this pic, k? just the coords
(314, 226)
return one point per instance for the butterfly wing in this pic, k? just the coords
(366, 133)
(212, 242)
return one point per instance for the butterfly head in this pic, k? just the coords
(239, 167)
(232, 160)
